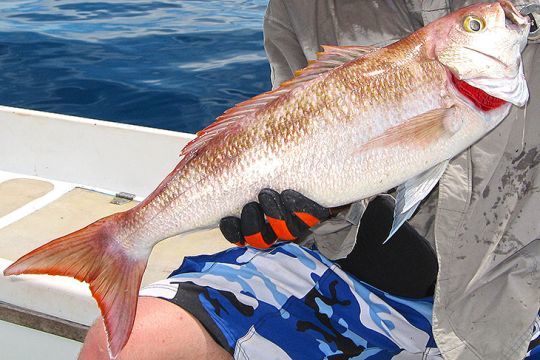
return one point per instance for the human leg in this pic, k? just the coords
(291, 302)
(162, 331)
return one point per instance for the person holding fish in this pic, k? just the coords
(405, 95)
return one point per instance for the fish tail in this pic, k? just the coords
(93, 255)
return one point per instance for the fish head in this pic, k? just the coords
(482, 45)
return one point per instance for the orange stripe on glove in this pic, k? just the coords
(286, 217)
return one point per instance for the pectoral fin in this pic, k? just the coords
(418, 130)
(412, 192)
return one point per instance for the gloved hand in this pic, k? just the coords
(289, 215)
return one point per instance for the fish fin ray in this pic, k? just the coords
(330, 58)
(91, 256)
(412, 192)
(233, 119)
(423, 128)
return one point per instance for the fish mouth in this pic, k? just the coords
(513, 16)
(515, 21)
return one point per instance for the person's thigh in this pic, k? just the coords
(291, 302)
(162, 330)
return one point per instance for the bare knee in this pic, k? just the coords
(162, 330)
(95, 343)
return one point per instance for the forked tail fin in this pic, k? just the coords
(93, 255)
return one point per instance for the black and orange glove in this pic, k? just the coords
(276, 217)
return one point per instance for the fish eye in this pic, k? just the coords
(473, 24)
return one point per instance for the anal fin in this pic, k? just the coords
(412, 192)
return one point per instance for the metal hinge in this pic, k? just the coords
(122, 198)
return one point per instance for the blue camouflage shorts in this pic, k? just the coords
(289, 302)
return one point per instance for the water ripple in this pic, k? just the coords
(167, 64)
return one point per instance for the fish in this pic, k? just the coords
(354, 123)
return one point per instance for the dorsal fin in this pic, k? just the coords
(233, 118)
(330, 58)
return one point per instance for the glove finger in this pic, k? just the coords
(285, 225)
(255, 230)
(230, 228)
(305, 209)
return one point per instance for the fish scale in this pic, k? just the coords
(354, 123)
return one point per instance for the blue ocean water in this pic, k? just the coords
(170, 64)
